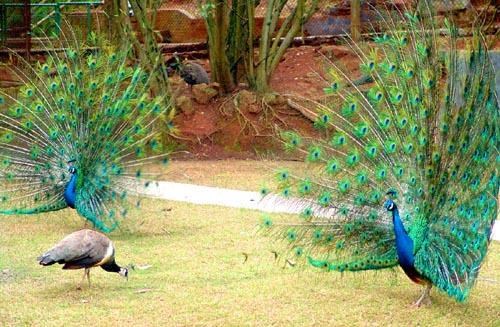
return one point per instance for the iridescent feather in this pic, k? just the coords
(423, 133)
(88, 109)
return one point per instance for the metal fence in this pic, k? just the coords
(177, 21)
(181, 21)
(20, 22)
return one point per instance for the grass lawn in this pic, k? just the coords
(197, 273)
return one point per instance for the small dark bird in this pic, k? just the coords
(192, 73)
(84, 249)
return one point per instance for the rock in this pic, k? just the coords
(245, 99)
(215, 86)
(184, 104)
(203, 93)
(175, 82)
(254, 108)
(227, 109)
(274, 99)
(451, 6)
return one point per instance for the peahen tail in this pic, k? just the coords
(423, 130)
(88, 107)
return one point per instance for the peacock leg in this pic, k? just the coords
(425, 298)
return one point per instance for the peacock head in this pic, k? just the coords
(124, 272)
(71, 168)
(390, 205)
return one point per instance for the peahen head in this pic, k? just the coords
(123, 272)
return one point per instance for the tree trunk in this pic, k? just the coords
(355, 20)
(216, 21)
(272, 51)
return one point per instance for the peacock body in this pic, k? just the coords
(79, 133)
(403, 171)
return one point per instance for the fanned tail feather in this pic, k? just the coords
(425, 129)
(88, 107)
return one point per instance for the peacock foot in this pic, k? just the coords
(85, 273)
(425, 298)
(423, 301)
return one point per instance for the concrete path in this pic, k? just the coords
(239, 199)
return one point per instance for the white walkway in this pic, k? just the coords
(238, 199)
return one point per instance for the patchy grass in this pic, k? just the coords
(198, 275)
(235, 174)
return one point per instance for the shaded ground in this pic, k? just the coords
(220, 129)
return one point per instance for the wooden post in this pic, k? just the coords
(27, 27)
(355, 20)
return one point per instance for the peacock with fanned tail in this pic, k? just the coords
(79, 133)
(403, 171)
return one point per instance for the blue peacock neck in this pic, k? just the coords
(70, 191)
(404, 244)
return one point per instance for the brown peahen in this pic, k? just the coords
(84, 249)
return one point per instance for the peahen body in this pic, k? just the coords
(78, 134)
(84, 249)
(403, 171)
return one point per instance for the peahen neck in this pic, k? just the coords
(404, 244)
(111, 267)
(70, 192)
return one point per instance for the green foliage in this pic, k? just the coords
(231, 36)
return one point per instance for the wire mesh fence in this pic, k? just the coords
(25, 20)
(180, 21)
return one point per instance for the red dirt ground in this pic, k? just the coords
(214, 133)
(219, 130)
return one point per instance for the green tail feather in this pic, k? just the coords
(426, 128)
(90, 107)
